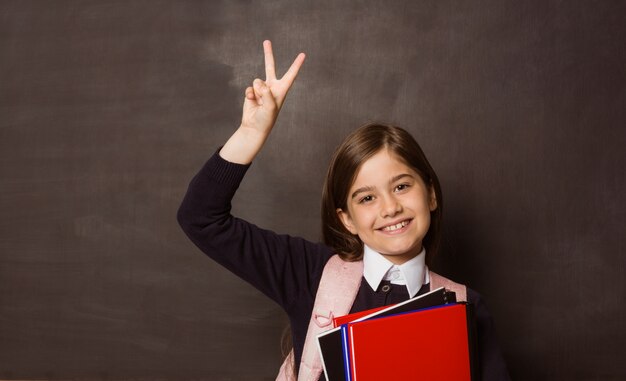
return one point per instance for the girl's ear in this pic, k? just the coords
(346, 220)
(432, 199)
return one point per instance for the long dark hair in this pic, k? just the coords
(359, 146)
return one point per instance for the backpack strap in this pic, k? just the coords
(437, 281)
(286, 370)
(335, 295)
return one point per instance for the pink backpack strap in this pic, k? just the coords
(437, 281)
(335, 295)
(286, 370)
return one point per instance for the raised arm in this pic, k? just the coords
(262, 103)
(285, 268)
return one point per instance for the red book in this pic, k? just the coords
(431, 344)
(335, 359)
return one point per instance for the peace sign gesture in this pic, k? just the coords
(265, 98)
(261, 105)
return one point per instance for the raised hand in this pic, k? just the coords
(263, 100)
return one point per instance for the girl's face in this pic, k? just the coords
(389, 207)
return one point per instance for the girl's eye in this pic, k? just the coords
(366, 199)
(401, 187)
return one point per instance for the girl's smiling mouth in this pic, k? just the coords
(396, 227)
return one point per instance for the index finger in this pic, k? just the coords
(270, 71)
(291, 74)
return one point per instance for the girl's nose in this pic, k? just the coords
(390, 207)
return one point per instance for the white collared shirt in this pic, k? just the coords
(412, 273)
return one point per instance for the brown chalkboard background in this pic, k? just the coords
(108, 108)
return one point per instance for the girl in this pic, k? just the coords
(381, 213)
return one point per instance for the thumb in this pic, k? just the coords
(263, 94)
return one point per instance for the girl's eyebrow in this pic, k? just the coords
(371, 188)
(400, 176)
(362, 190)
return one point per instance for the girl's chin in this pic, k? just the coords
(402, 255)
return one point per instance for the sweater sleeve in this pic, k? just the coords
(491, 362)
(285, 268)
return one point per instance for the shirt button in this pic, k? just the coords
(395, 275)
(386, 288)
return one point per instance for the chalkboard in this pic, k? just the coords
(109, 108)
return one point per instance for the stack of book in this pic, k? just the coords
(429, 337)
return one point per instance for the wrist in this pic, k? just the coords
(243, 145)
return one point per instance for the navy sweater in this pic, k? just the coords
(288, 269)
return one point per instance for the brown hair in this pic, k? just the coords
(359, 146)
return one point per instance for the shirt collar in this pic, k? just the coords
(414, 271)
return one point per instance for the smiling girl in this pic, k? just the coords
(381, 215)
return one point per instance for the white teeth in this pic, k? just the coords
(396, 226)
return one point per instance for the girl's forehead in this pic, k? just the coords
(382, 165)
